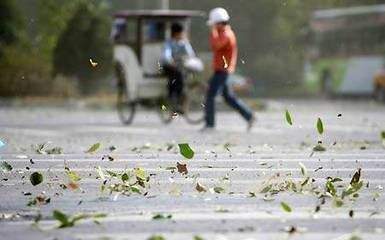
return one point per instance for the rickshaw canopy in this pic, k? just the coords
(158, 14)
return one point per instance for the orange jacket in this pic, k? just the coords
(224, 46)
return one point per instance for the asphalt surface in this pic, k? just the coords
(246, 175)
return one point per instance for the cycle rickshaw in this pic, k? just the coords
(138, 41)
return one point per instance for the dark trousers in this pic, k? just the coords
(219, 83)
(175, 83)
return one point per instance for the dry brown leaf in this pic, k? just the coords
(182, 168)
(200, 188)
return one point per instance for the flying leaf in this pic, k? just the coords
(36, 178)
(383, 135)
(93, 148)
(93, 64)
(164, 108)
(320, 126)
(186, 150)
(2, 144)
(5, 167)
(288, 118)
(285, 207)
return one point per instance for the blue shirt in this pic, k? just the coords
(175, 51)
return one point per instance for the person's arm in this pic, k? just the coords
(218, 41)
(189, 50)
(167, 54)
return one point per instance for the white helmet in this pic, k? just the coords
(218, 15)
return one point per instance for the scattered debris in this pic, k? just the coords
(36, 178)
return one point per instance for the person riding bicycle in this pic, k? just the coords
(176, 50)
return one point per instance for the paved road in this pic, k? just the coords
(253, 174)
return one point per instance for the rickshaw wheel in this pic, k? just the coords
(379, 94)
(126, 109)
(194, 103)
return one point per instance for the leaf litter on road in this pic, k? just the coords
(186, 151)
(5, 167)
(320, 126)
(36, 178)
(93, 148)
(288, 117)
(66, 221)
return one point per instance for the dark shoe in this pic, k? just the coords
(251, 123)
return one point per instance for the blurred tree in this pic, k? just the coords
(52, 18)
(10, 22)
(85, 37)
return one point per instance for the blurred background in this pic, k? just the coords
(287, 47)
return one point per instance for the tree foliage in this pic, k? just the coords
(10, 22)
(85, 37)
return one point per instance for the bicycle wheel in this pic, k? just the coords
(126, 109)
(193, 105)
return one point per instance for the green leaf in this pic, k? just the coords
(135, 189)
(156, 237)
(320, 126)
(5, 167)
(267, 188)
(100, 173)
(285, 207)
(198, 238)
(161, 216)
(330, 188)
(303, 169)
(140, 173)
(36, 178)
(383, 135)
(219, 189)
(62, 218)
(319, 148)
(73, 176)
(186, 151)
(93, 148)
(288, 118)
(125, 177)
(337, 202)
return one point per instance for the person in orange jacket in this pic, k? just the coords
(224, 47)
